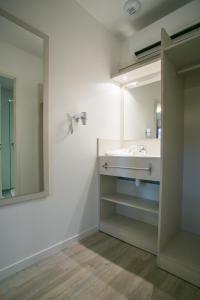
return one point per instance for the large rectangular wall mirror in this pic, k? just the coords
(23, 111)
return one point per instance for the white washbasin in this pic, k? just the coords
(127, 152)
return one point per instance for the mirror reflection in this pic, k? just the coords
(21, 111)
(158, 121)
(140, 111)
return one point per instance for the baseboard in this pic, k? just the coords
(36, 257)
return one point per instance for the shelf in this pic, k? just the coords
(131, 201)
(181, 256)
(185, 53)
(137, 233)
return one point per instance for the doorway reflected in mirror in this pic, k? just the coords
(7, 143)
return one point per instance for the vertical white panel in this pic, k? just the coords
(172, 148)
(191, 169)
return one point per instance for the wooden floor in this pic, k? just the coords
(100, 267)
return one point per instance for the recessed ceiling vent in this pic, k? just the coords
(131, 6)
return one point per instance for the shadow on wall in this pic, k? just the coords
(64, 129)
(87, 204)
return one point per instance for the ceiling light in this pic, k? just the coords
(131, 6)
(124, 78)
(132, 84)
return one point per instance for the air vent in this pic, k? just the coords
(131, 10)
(155, 48)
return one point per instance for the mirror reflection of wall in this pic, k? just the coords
(140, 105)
(21, 112)
(140, 116)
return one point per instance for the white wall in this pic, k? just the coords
(82, 57)
(139, 110)
(27, 70)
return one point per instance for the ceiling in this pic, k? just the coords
(111, 14)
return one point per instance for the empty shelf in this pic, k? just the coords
(185, 53)
(131, 201)
(137, 233)
(181, 256)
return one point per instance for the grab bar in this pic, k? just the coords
(107, 166)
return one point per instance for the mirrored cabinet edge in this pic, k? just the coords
(45, 38)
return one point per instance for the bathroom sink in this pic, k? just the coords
(127, 152)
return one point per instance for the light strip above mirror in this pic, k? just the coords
(142, 75)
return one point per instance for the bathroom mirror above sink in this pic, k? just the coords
(23, 111)
(141, 109)
(141, 101)
(141, 119)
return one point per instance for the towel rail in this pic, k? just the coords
(107, 166)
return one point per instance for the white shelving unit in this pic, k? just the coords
(181, 256)
(179, 234)
(132, 217)
(183, 54)
(132, 231)
(129, 217)
(134, 202)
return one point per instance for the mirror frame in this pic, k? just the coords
(45, 38)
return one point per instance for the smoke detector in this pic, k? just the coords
(131, 7)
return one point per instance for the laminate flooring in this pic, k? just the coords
(99, 267)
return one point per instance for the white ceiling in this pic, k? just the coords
(111, 14)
